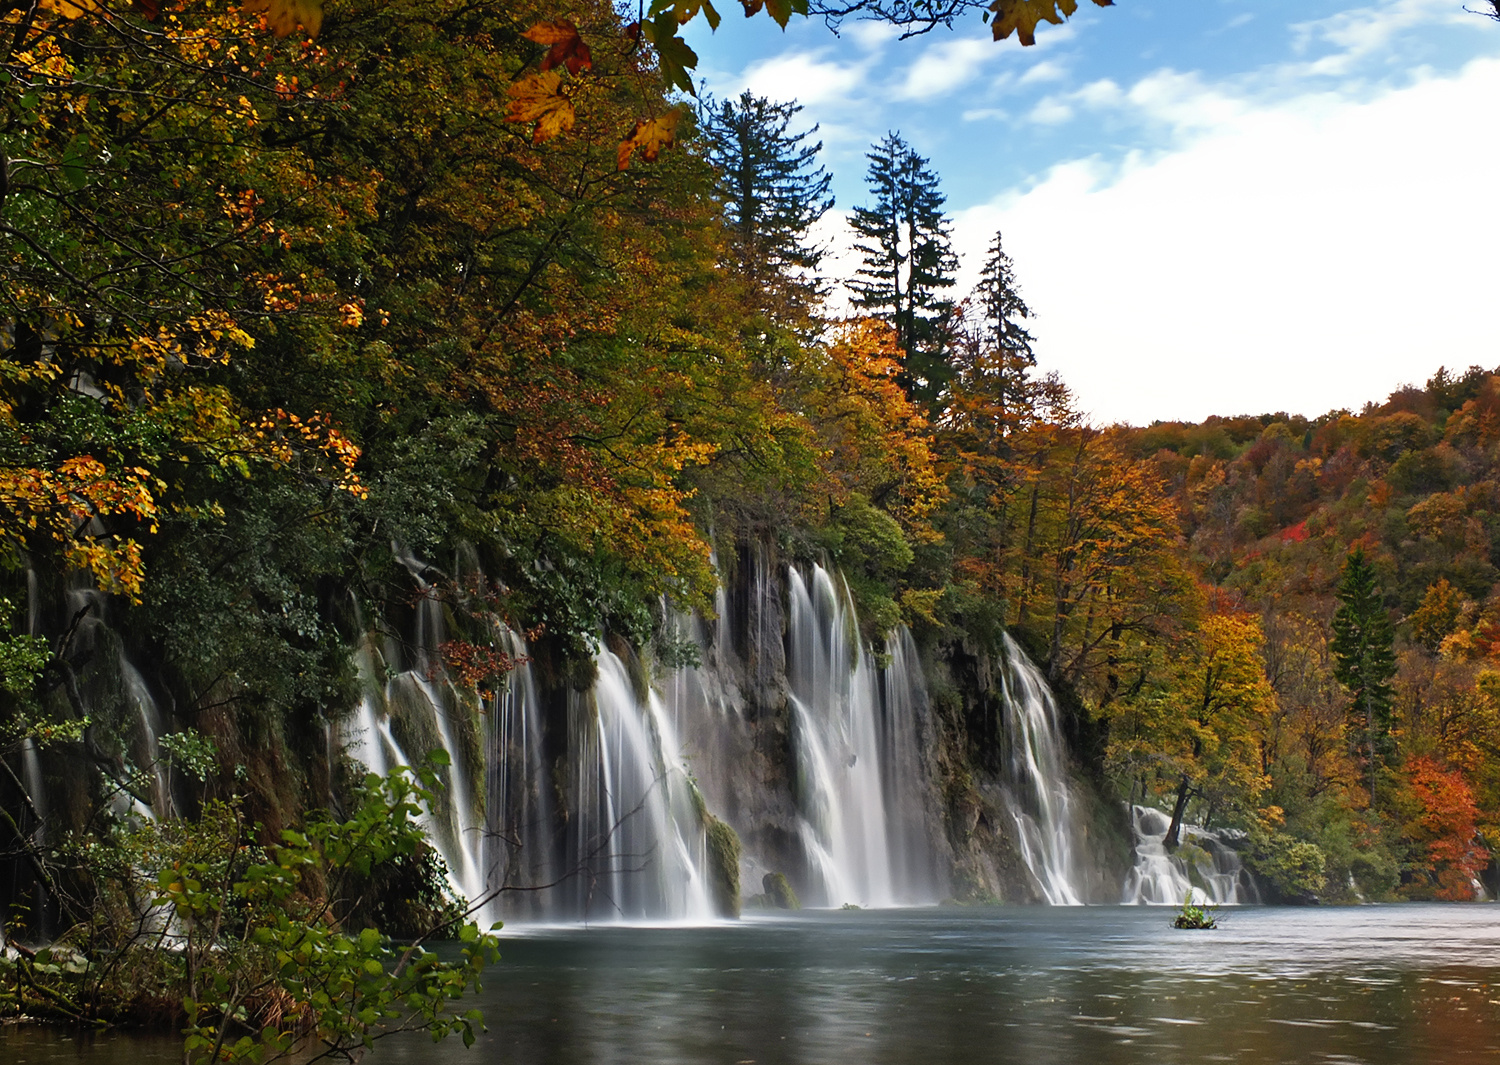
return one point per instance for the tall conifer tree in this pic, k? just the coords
(909, 261)
(773, 191)
(1365, 663)
(1001, 304)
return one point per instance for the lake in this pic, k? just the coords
(1408, 984)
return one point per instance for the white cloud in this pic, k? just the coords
(943, 66)
(1051, 111)
(1364, 31)
(1307, 255)
(870, 35)
(1046, 70)
(803, 76)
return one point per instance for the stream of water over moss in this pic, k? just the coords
(1408, 984)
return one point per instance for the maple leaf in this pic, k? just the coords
(284, 16)
(672, 52)
(649, 136)
(538, 98)
(686, 10)
(566, 47)
(1021, 16)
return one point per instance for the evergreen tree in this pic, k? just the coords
(1002, 307)
(1365, 663)
(908, 261)
(773, 192)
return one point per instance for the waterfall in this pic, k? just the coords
(834, 738)
(147, 751)
(640, 840)
(407, 712)
(1163, 879)
(1037, 790)
(597, 808)
(909, 796)
(860, 784)
(520, 844)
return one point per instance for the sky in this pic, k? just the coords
(1213, 206)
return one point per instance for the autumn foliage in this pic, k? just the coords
(1446, 828)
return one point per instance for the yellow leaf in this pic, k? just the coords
(284, 16)
(649, 137)
(538, 98)
(1021, 16)
(69, 8)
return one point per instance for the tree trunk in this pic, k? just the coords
(1174, 831)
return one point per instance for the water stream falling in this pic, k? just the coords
(836, 745)
(1038, 790)
(1203, 869)
(640, 842)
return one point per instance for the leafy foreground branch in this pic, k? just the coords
(255, 948)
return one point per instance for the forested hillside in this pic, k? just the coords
(287, 318)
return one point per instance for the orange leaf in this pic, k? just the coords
(538, 98)
(649, 136)
(284, 16)
(566, 47)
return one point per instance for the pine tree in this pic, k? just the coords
(1002, 307)
(773, 193)
(908, 261)
(1365, 663)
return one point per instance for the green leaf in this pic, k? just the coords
(673, 53)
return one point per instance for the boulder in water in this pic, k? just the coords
(780, 892)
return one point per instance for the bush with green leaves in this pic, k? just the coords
(255, 948)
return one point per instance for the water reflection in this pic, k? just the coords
(1415, 985)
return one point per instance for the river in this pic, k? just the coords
(1408, 984)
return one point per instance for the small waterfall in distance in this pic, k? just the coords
(1162, 879)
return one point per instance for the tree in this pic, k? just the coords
(908, 260)
(1002, 307)
(1365, 663)
(1445, 825)
(1202, 720)
(773, 192)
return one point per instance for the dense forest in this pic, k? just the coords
(283, 314)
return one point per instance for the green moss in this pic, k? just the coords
(723, 866)
(780, 892)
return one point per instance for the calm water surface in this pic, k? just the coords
(1377, 984)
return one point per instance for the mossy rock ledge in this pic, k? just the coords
(723, 866)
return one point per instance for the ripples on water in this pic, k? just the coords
(1414, 985)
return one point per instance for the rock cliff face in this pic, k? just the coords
(601, 789)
